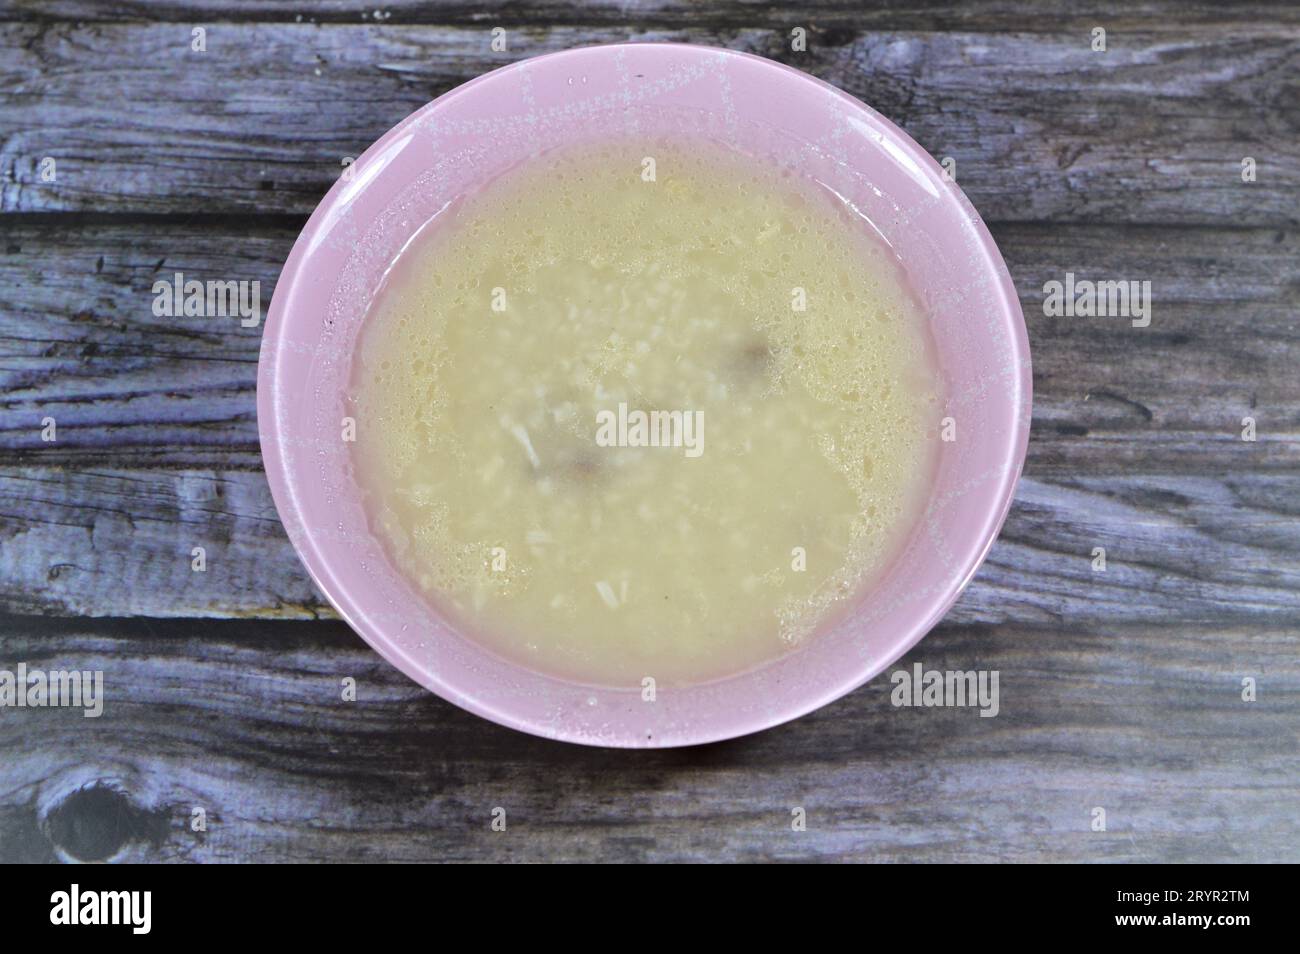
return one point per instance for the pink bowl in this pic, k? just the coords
(477, 131)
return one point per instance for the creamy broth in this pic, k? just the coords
(782, 368)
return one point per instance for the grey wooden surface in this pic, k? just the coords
(1120, 689)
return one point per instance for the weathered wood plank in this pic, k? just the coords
(1178, 549)
(1118, 689)
(79, 342)
(819, 14)
(245, 721)
(1152, 130)
(128, 539)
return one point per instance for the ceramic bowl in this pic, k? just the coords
(472, 134)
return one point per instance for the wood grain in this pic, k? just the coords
(1153, 130)
(1179, 549)
(1145, 722)
(79, 342)
(1119, 689)
(929, 15)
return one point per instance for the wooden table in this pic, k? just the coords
(1120, 689)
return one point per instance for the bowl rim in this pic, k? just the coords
(336, 590)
